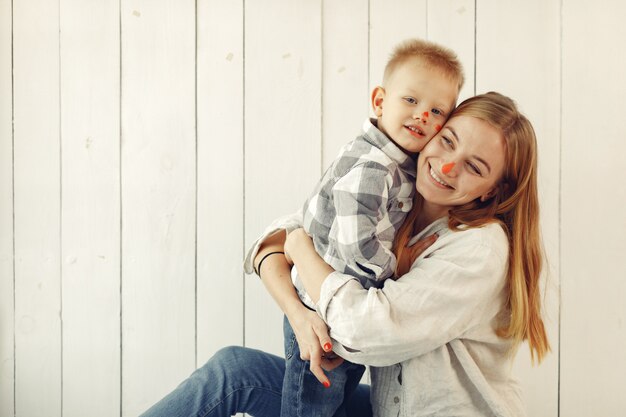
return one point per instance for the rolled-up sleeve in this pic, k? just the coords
(288, 223)
(449, 290)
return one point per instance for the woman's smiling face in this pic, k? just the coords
(463, 162)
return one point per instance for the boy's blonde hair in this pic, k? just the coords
(431, 54)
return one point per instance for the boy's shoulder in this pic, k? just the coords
(361, 151)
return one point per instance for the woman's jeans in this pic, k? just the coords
(239, 380)
(304, 395)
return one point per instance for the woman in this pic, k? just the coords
(440, 339)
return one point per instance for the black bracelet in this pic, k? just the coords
(258, 269)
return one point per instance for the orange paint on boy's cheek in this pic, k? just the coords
(437, 128)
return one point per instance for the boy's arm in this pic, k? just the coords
(360, 199)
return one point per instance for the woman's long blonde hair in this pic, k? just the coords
(515, 206)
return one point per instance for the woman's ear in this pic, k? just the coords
(490, 194)
(378, 95)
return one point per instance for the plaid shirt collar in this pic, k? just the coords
(378, 139)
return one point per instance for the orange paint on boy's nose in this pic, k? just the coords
(446, 168)
(437, 128)
(425, 114)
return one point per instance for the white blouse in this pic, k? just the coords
(429, 336)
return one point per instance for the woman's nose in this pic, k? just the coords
(446, 168)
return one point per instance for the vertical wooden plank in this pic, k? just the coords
(90, 217)
(593, 366)
(451, 23)
(220, 176)
(282, 134)
(345, 95)
(158, 199)
(390, 23)
(37, 209)
(7, 377)
(518, 47)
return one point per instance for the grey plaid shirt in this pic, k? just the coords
(358, 206)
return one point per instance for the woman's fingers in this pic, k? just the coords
(316, 367)
(315, 345)
(321, 331)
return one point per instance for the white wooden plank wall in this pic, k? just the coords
(593, 224)
(220, 176)
(37, 204)
(90, 208)
(145, 144)
(158, 172)
(6, 215)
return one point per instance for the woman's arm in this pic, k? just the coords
(311, 332)
(456, 285)
(312, 269)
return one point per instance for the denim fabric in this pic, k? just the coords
(303, 395)
(239, 380)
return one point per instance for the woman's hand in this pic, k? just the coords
(314, 342)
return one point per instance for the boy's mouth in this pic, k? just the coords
(415, 131)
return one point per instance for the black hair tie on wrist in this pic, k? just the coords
(258, 269)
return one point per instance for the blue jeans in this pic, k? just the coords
(304, 395)
(239, 380)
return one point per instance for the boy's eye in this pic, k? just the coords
(437, 112)
(410, 100)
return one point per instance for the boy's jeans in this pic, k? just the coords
(303, 395)
(238, 379)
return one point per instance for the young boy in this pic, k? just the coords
(364, 196)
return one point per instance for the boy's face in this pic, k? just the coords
(414, 104)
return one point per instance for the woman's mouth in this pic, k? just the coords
(438, 180)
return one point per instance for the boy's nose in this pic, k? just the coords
(446, 168)
(422, 116)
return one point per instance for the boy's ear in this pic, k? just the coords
(378, 95)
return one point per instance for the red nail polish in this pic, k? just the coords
(326, 384)
(328, 347)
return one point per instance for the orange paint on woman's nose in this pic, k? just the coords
(446, 168)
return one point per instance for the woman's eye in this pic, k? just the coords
(446, 141)
(410, 100)
(437, 112)
(474, 168)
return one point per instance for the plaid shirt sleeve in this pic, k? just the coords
(362, 234)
